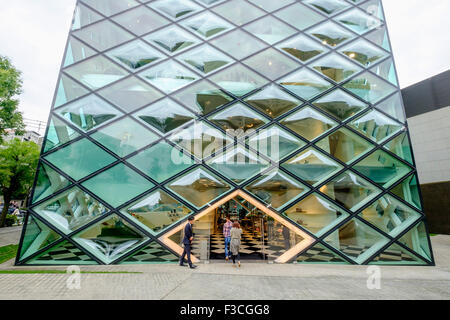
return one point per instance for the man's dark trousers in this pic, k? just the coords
(187, 244)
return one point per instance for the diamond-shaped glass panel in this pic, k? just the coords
(316, 214)
(103, 35)
(331, 34)
(357, 240)
(320, 254)
(110, 238)
(271, 63)
(118, 185)
(386, 70)
(328, 7)
(275, 143)
(110, 7)
(363, 52)
(153, 253)
(64, 253)
(58, 133)
(270, 29)
(172, 39)
(276, 189)
(270, 5)
(68, 90)
(161, 161)
(358, 21)
(77, 51)
(376, 126)
(88, 113)
(390, 215)
(408, 190)
(345, 145)
(292, 13)
(165, 115)
(96, 72)
(205, 59)
(201, 140)
(202, 97)
(199, 187)
(305, 84)
(238, 118)
(71, 210)
(207, 24)
(382, 168)
(302, 47)
(273, 101)
(169, 76)
(380, 37)
(335, 67)
(370, 88)
(308, 123)
(238, 11)
(396, 255)
(124, 136)
(80, 159)
(417, 240)
(238, 80)
(175, 9)
(238, 164)
(84, 16)
(48, 182)
(141, 20)
(135, 55)
(340, 104)
(350, 190)
(130, 94)
(156, 212)
(238, 44)
(401, 146)
(393, 106)
(312, 166)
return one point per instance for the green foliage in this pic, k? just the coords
(10, 220)
(10, 88)
(8, 252)
(18, 162)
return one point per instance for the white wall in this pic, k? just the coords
(430, 135)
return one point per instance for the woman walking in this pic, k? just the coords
(235, 245)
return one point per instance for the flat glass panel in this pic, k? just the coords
(350, 191)
(370, 88)
(206, 24)
(390, 215)
(110, 238)
(201, 140)
(408, 190)
(319, 254)
(64, 253)
(169, 76)
(357, 240)
(382, 168)
(363, 52)
(275, 143)
(276, 189)
(165, 115)
(156, 212)
(238, 44)
(312, 166)
(48, 182)
(270, 30)
(71, 210)
(118, 185)
(238, 164)
(386, 70)
(345, 145)
(124, 137)
(417, 240)
(141, 20)
(80, 159)
(135, 55)
(68, 90)
(110, 7)
(340, 104)
(205, 59)
(291, 14)
(328, 7)
(273, 101)
(308, 123)
(202, 97)
(96, 72)
(199, 187)
(396, 255)
(77, 51)
(270, 5)
(130, 94)
(302, 47)
(175, 9)
(335, 67)
(271, 63)
(172, 39)
(58, 134)
(103, 35)
(84, 16)
(238, 12)
(316, 214)
(379, 36)
(331, 34)
(88, 113)
(305, 84)
(358, 21)
(153, 253)
(161, 161)
(393, 106)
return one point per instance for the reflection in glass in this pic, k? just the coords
(48, 182)
(305, 84)
(270, 30)
(302, 47)
(340, 104)
(58, 133)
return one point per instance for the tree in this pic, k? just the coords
(10, 88)
(18, 162)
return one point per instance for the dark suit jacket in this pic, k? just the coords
(188, 233)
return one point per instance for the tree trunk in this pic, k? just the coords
(7, 199)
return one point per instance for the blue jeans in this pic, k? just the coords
(227, 244)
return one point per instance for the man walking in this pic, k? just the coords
(227, 235)
(187, 242)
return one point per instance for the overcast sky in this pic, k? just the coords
(33, 34)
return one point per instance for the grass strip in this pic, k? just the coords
(8, 252)
(62, 272)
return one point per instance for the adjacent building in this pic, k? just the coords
(286, 115)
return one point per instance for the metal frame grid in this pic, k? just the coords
(199, 163)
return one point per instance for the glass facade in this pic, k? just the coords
(166, 109)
